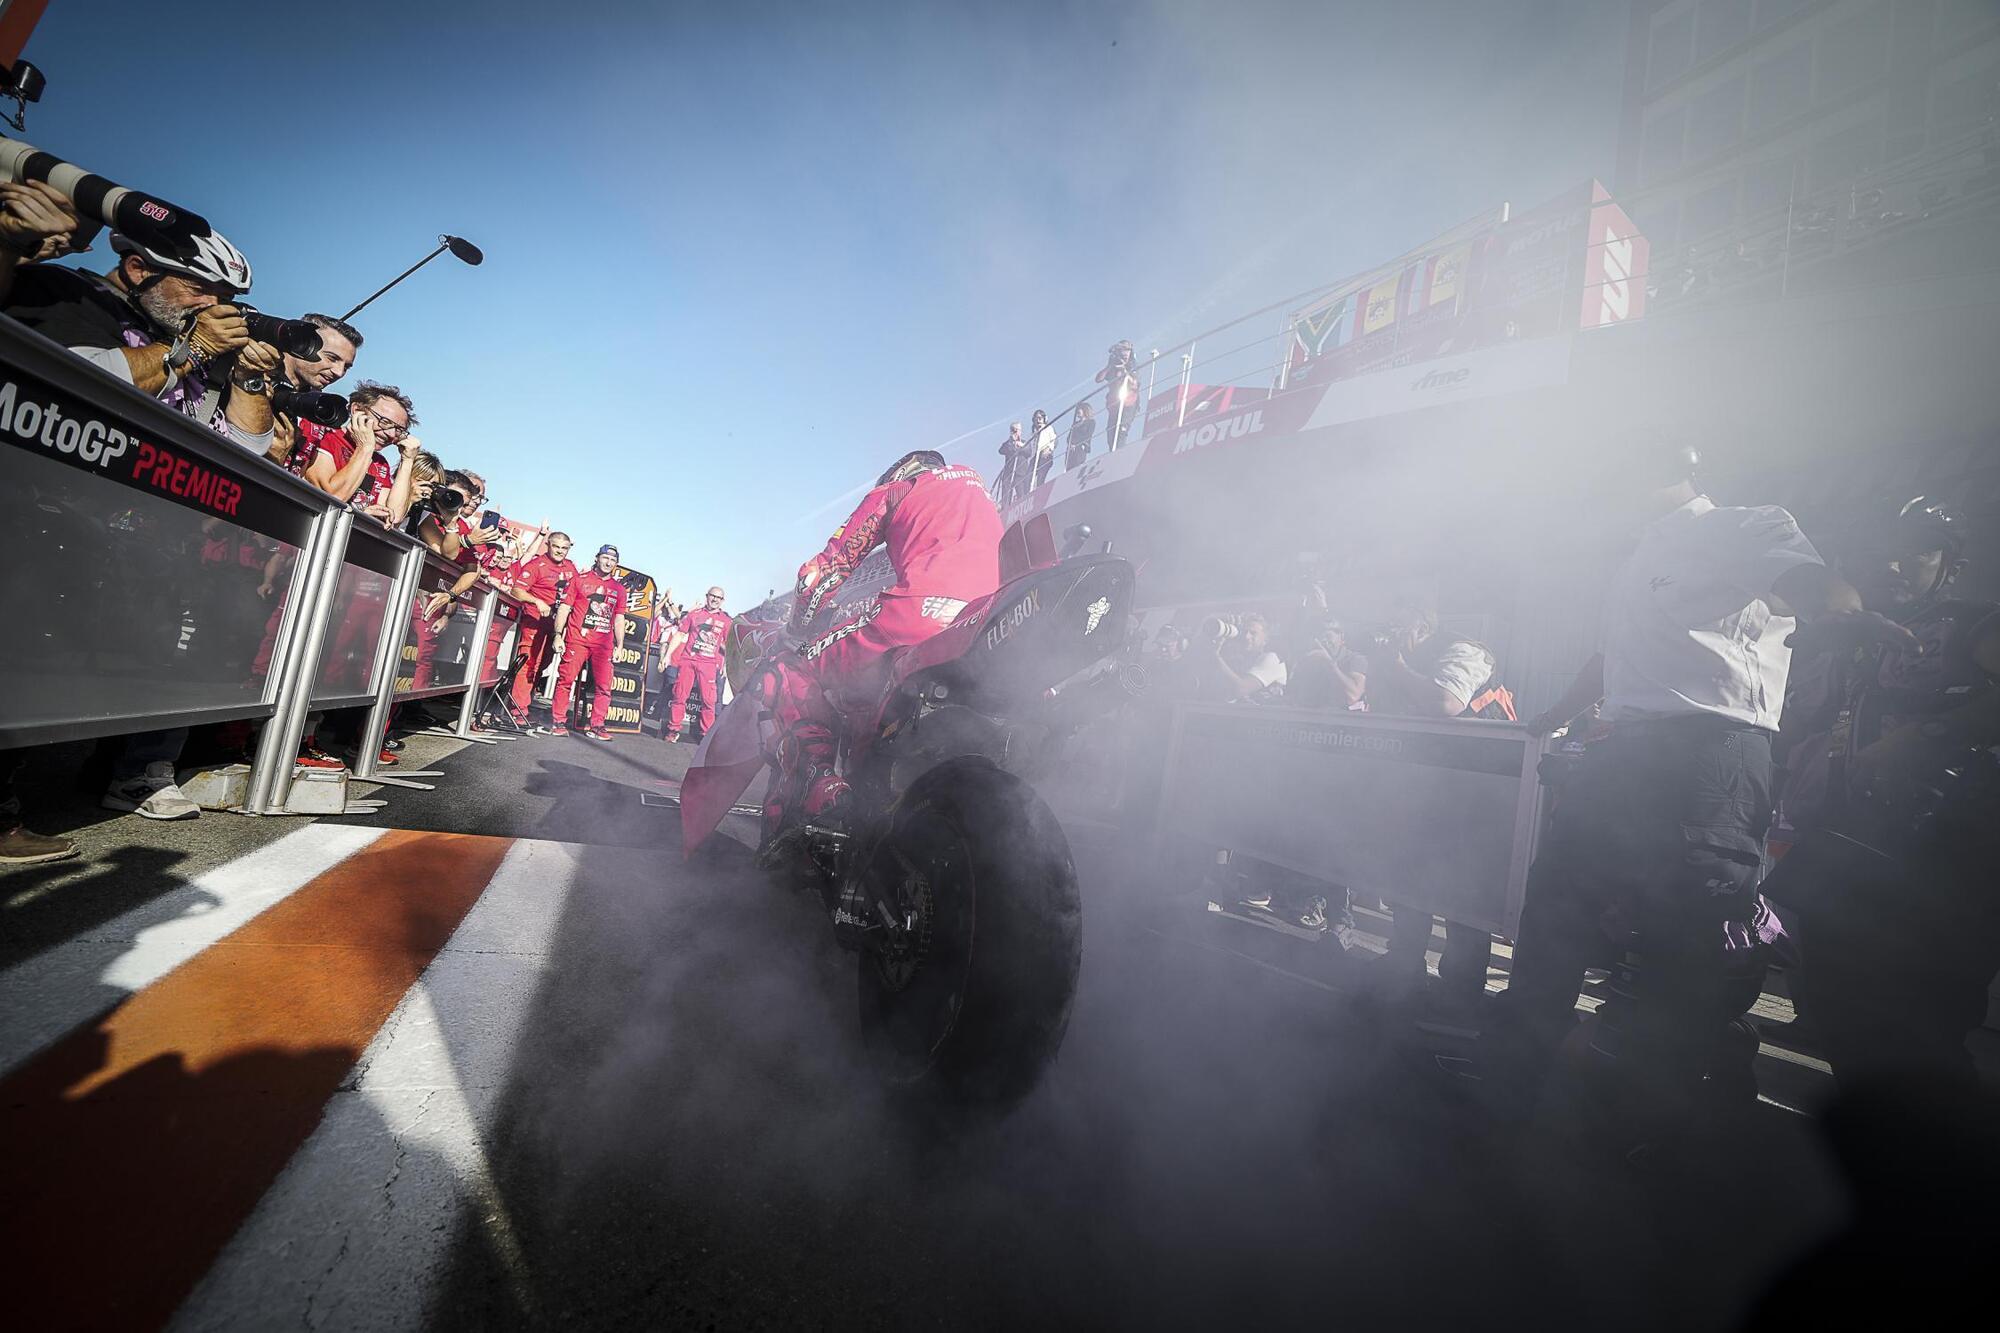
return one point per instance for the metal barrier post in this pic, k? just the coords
(1187, 378)
(468, 707)
(402, 604)
(297, 656)
(388, 653)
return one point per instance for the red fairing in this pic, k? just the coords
(943, 535)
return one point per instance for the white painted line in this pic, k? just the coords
(361, 1224)
(44, 997)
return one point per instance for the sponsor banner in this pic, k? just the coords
(38, 417)
(1204, 402)
(1615, 265)
(1490, 371)
(1101, 470)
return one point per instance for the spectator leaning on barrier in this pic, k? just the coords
(700, 662)
(163, 325)
(1081, 427)
(1014, 463)
(1043, 436)
(592, 623)
(542, 583)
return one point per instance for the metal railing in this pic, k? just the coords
(158, 576)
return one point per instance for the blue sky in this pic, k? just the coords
(739, 258)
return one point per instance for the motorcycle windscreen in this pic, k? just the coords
(725, 764)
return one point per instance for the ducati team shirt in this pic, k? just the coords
(545, 580)
(315, 439)
(706, 632)
(594, 603)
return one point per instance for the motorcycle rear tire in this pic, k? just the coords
(982, 1013)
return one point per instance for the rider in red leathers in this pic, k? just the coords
(943, 535)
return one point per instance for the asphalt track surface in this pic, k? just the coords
(604, 1086)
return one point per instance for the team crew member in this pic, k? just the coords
(1893, 749)
(943, 535)
(1660, 837)
(592, 623)
(542, 582)
(700, 661)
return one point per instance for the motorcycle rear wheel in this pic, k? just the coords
(977, 1005)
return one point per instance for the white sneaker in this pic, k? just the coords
(152, 795)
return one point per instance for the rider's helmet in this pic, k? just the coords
(214, 260)
(910, 464)
(1925, 524)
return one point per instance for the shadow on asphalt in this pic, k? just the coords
(690, 1138)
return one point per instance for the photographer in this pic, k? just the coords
(164, 326)
(346, 462)
(1121, 393)
(1240, 663)
(1330, 674)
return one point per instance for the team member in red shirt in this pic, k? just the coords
(543, 583)
(592, 623)
(699, 660)
(346, 462)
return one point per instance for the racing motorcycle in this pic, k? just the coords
(947, 874)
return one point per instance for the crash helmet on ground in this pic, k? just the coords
(214, 260)
(910, 464)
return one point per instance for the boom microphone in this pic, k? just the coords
(146, 218)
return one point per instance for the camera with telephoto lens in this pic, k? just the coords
(447, 497)
(1220, 628)
(322, 409)
(294, 337)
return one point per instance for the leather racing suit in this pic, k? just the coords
(943, 538)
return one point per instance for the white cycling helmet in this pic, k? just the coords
(215, 260)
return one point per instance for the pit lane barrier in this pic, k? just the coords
(159, 576)
(1441, 814)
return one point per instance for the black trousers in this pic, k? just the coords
(1654, 847)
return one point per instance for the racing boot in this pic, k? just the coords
(804, 788)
